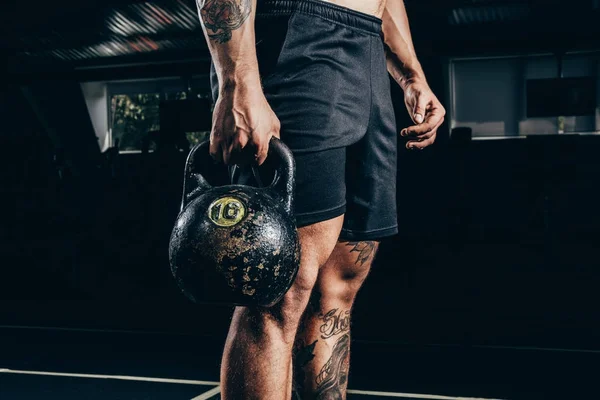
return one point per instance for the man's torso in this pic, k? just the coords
(371, 7)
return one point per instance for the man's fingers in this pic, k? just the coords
(418, 114)
(226, 145)
(240, 141)
(245, 146)
(226, 155)
(236, 151)
(262, 148)
(424, 136)
(277, 130)
(420, 145)
(419, 130)
(425, 139)
(433, 119)
(215, 149)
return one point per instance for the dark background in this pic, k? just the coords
(498, 238)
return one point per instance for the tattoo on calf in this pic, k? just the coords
(303, 354)
(334, 323)
(333, 377)
(365, 250)
(221, 17)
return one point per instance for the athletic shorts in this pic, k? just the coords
(324, 74)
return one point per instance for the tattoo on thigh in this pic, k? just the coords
(333, 377)
(334, 323)
(365, 250)
(221, 17)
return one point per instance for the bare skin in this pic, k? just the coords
(242, 114)
(370, 7)
(257, 359)
(322, 350)
(424, 108)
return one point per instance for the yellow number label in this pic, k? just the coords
(226, 211)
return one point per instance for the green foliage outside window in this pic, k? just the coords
(134, 116)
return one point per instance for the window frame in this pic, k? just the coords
(451, 86)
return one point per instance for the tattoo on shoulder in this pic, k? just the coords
(334, 322)
(365, 250)
(221, 17)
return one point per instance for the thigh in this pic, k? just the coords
(320, 186)
(371, 187)
(371, 167)
(371, 211)
(317, 241)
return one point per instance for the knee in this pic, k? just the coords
(341, 285)
(336, 291)
(346, 270)
(286, 314)
(317, 244)
(295, 300)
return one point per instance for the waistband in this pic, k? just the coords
(329, 11)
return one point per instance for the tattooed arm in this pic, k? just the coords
(423, 106)
(241, 115)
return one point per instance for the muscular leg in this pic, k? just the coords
(257, 360)
(322, 351)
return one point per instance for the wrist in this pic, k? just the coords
(405, 71)
(410, 74)
(239, 78)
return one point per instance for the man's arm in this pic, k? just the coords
(404, 67)
(241, 114)
(228, 27)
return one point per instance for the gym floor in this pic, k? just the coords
(56, 363)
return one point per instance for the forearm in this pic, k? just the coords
(228, 27)
(402, 62)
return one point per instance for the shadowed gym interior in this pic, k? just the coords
(489, 289)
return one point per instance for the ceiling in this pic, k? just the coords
(95, 32)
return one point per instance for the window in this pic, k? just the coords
(134, 117)
(488, 95)
(135, 111)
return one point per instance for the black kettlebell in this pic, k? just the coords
(236, 244)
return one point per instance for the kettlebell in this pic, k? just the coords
(236, 244)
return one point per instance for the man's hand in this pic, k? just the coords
(426, 112)
(242, 116)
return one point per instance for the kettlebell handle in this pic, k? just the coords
(284, 182)
(193, 182)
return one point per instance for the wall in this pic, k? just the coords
(96, 99)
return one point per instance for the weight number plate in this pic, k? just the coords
(226, 211)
